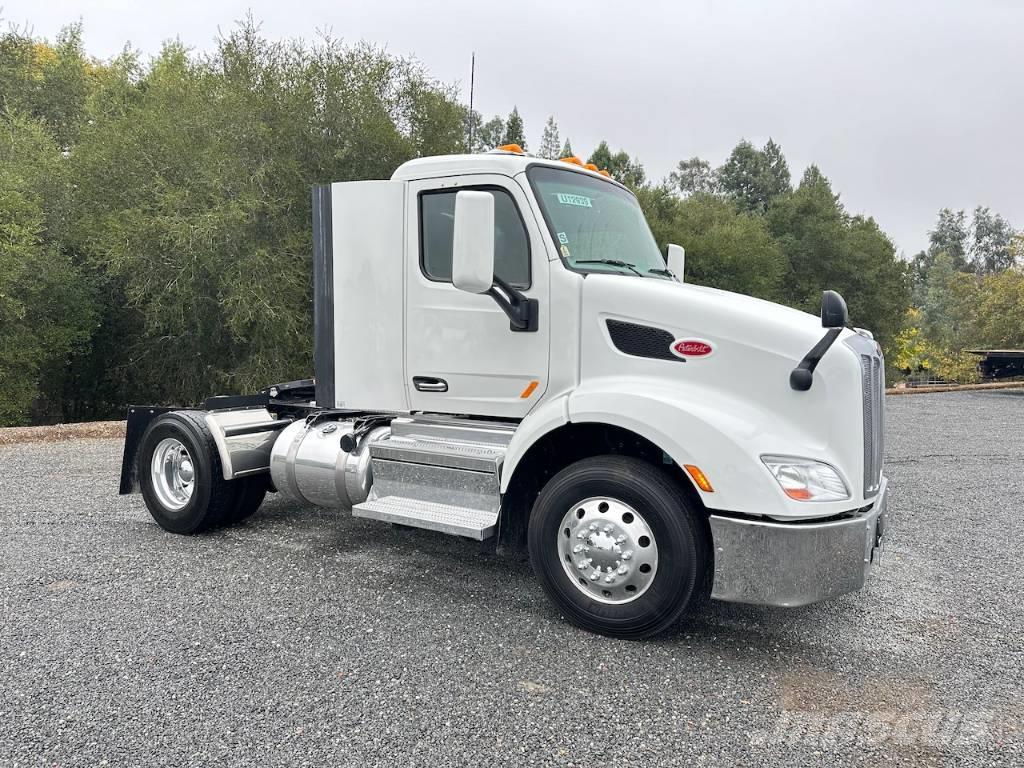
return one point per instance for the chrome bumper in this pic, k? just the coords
(791, 564)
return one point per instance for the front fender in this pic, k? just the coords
(723, 435)
(549, 416)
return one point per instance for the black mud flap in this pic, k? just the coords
(139, 418)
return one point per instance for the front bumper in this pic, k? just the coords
(790, 564)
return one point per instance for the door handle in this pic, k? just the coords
(429, 384)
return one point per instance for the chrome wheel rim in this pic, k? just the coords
(608, 551)
(173, 473)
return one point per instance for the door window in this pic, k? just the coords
(437, 232)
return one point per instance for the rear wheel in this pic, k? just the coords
(182, 479)
(618, 547)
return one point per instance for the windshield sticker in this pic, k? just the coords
(565, 251)
(563, 238)
(578, 200)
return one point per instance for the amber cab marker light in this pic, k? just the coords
(572, 159)
(590, 167)
(511, 148)
(603, 172)
(699, 478)
(529, 389)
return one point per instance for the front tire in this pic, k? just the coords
(182, 480)
(618, 547)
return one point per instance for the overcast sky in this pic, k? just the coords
(906, 106)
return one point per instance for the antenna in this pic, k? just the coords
(472, 75)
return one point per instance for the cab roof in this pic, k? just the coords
(496, 161)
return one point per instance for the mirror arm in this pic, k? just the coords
(522, 312)
(801, 377)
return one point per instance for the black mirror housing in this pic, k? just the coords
(833, 310)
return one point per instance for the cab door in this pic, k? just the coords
(462, 357)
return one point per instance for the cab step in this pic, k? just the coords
(472, 523)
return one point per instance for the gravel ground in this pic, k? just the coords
(308, 638)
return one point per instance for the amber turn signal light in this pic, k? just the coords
(699, 478)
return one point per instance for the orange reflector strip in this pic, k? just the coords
(699, 478)
(572, 159)
(529, 389)
(800, 494)
(511, 148)
(590, 167)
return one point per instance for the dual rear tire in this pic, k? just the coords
(618, 547)
(182, 480)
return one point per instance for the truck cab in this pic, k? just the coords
(502, 352)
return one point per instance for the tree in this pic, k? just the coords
(489, 135)
(549, 141)
(213, 251)
(776, 169)
(566, 149)
(47, 307)
(949, 237)
(753, 177)
(991, 237)
(693, 176)
(628, 171)
(826, 248)
(724, 248)
(515, 133)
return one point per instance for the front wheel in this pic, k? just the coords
(618, 547)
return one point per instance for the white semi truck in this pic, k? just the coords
(502, 353)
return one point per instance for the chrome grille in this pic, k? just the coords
(872, 373)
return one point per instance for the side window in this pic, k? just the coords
(437, 230)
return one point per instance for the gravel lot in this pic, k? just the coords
(308, 638)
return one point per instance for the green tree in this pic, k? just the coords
(724, 248)
(776, 170)
(492, 133)
(48, 82)
(193, 196)
(566, 149)
(826, 248)
(46, 304)
(950, 237)
(693, 176)
(515, 133)
(754, 177)
(991, 237)
(621, 167)
(549, 141)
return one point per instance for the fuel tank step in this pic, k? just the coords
(461, 454)
(472, 523)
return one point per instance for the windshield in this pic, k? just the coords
(597, 225)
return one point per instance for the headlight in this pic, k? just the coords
(806, 479)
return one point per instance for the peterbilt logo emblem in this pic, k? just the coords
(691, 348)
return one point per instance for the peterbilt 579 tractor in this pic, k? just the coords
(501, 352)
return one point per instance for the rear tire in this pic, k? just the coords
(248, 498)
(618, 547)
(182, 479)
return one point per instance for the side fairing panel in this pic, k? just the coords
(368, 243)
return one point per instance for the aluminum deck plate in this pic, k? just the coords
(457, 521)
(479, 457)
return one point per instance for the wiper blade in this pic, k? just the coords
(665, 272)
(613, 262)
